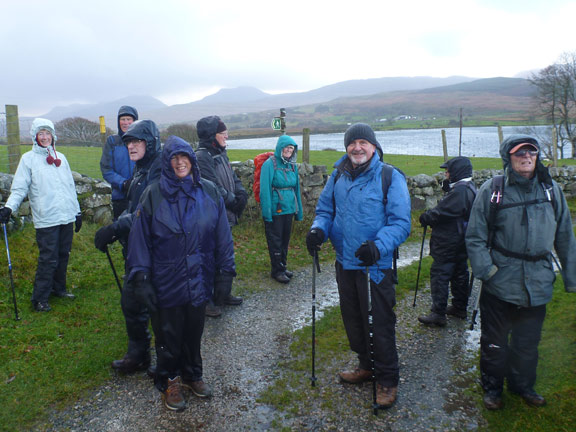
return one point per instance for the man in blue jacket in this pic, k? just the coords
(115, 163)
(365, 230)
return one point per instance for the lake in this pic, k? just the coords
(476, 141)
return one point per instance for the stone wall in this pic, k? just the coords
(425, 190)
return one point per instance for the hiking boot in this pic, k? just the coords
(433, 319)
(289, 273)
(493, 400)
(356, 376)
(385, 396)
(213, 311)
(129, 365)
(172, 396)
(233, 301)
(64, 294)
(282, 278)
(531, 398)
(199, 388)
(456, 312)
(41, 306)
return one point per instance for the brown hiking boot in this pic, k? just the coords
(456, 312)
(356, 376)
(199, 388)
(172, 396)
(385, 396)
(493, 400)
(433, 319)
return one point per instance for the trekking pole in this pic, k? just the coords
(113, 269)
(419, 265)
(315, 265)
(371, 338)
(16, 317)
(476, 304)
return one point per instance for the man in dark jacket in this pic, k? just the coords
(179, 240)
(115, 163)
(510, 250)
(447, 246)
(142, 139)
(215, 166)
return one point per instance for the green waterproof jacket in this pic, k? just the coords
(531, 230)
(279, 184)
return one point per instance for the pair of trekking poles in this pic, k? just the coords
(471, 284)
(313, 379)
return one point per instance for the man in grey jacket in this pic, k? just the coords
(511, 234)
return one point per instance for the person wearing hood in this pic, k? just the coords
(115, 164)
(510, 251)
(365, 230)
(215, 166)
(44, 175)
(142, 139)
(448, 221)
(281, 203)
(180, 240)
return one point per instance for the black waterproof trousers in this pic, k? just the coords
(278, 237)
(178, 354)
(453, 276)
(54, 245)
(354, 307)
(509, 344)
(136, 317)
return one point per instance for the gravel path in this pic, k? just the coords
(241, 351)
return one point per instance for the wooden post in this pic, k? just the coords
(306, 145)
(444, 145)
(102, 130)
(500, 134)
(460, 139)
(554, 148)
(13, 135)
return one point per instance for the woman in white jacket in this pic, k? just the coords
(45, 177)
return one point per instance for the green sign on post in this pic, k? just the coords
(277, 123)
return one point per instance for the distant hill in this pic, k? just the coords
(108, 109)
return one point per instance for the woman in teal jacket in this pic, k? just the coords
(280, 203)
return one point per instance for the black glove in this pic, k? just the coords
(239, 204)
(5, 213)
(104, 236)
(425, 219)
(446, 185)
(144, 291)
(126, 186)
(78, 222)
(314, 240)
(368, 253)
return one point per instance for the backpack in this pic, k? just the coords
(387, 170)
(496, 198)
(258, 162)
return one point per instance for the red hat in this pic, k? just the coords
(519, 146)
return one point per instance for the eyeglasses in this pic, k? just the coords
(134, 142)
(524, 152)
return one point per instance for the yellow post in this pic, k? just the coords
(102, 130)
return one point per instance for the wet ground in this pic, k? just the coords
(242, 350)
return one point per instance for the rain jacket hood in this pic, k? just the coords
(144, 130)
(169, 182)
(126, 110)
(41, 123)
(283, 142)
(459, 168)
(206, 129)
(513, 140)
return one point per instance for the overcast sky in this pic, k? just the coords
(62, 51)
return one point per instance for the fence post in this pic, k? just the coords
(554, 148)
(444, 145)
(13, 137)
(306, 145)
(102, 130)
(500, 134)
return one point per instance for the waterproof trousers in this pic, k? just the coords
(354, 308)
(446, 277)
(278, 238)
(180, 329)
(136, 317)
(54, 245)
(509, 344)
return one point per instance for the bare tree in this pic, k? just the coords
(186, 131)
(78, 130)
(556, 99)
